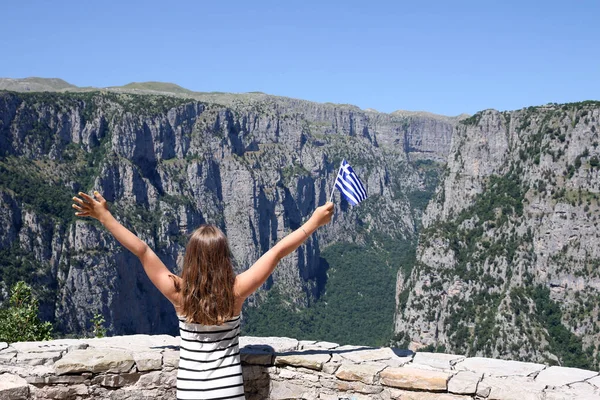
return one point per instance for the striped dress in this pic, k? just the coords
(209, 361)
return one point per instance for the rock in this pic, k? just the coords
(313, 345)
(495, 388)
(366, 354)
(157, 379)
(559, 376)
(8, 356)
(415, 379)
(365, 373)
(116, 380)
(170, 359)
(360, 387)
(464, 382)
(13, 387)
(293, 373)
(286, 391)
(94, 360)
(436, 360)
(395, 394)
(594, 381)
(306, 359)
(278, 344)
(45, 358)
(577, 391)
(148, 360)
(496, 367)
(3, 345)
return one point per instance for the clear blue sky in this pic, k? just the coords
(446, 57)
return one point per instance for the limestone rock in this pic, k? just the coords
(499, 367)
(45, 358)
(94, 360)
(559, 376)
(147, 361)
(436, 360)
(415, 379)
(287, 391)
(365, 373)
(13, 387)
(464, 382)
(495, 388)
(277, 344)
(306, 359)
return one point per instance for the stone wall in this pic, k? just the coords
(144, 367)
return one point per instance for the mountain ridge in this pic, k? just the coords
(167, 88)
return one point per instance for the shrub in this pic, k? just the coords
(20, 322)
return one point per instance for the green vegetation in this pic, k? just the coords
(36, 187)
(19, 321)
(430, 172)
(99, 330)
(358, 302)
(563, 343)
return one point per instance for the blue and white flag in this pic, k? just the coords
(349, 184)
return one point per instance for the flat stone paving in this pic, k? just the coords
(144, 366)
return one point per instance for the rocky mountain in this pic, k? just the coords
(255, 165)
(508, 259)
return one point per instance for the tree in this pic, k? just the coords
(20, 321)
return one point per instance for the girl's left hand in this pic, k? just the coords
(87, 206)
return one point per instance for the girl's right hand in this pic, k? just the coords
(322, 215)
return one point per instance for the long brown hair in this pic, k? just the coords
(207, 278)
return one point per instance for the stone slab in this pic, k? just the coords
(594, 381)
(578, 391)
(13, 387)
(397, 394)
(306, 359)
(508, 388)
(319, 346)
(437, 360)
(44, 346)
(366, 354)
(44, 358)
(148, 360)
(559, 376)
(94, 360)
(284, 390)
(359, 387)
(415, 379)
(366, 373)
(170, 359)
(136, 343)
(278, 344)
(464, 382)
(494, 367)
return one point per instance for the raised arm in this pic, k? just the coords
(158, 273)
(248, 281)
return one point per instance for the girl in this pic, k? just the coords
(208, 296)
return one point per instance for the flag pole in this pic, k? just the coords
(333, 188)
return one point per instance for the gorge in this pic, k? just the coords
(502, 262)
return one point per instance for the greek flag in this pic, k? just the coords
(349, 184)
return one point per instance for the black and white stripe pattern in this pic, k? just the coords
(209, 362)
(349, 184)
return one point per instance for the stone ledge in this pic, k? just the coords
(143, 366)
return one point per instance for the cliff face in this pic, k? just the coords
(256, 168)
(507, 262)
